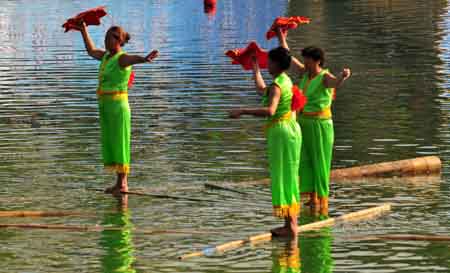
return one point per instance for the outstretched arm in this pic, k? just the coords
(295, 63)
(331, 81)
(127, 60)
(274, 99)
(89, 44)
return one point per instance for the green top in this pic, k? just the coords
(318, 96)
(284, 105)
(111, 76)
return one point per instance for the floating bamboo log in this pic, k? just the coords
(223, 188)
(87, 228)
(24, 213)
(405, 237)
(354, 216)
(163, 196)
(421, 166)
(410, 167)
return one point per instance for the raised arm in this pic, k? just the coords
(331, 81)
(274, 99)
(259, 81)
(89, 44)
(296, 65)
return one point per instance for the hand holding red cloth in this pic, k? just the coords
(243, 56)
(298, 99)
(90, 17)
(286, 23)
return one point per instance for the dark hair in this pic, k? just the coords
(315, 53)
(124, 36)
(281, 56)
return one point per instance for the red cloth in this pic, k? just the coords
(210, 6)
(131, 80)
(286, 23)
(90, 17)
(298, 99)
(243, 56)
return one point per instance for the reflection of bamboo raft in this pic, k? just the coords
(409, 167)
(354, 216)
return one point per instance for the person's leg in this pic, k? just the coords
(293, 225)
(123, 182)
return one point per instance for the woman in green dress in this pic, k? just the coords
(283, 138)
(112, 93)
(318, 85)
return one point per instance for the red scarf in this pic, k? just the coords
(90, 17)
(243, 56)
(286, 23)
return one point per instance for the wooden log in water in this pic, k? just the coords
(410, 167)
(162, 196)
(354, 216)
(223, 188)
(87, 228)
(24, 213)
(421, 166)
(405, 237)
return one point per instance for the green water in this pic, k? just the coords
(395, 106)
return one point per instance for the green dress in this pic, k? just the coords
(284, 139)
(318, 136)
(115, 115)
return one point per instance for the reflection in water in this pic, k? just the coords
(117, 243)
(316, 251)
(306, 254)
(287, 260)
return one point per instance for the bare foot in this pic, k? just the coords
(111, 189)
(281, 232)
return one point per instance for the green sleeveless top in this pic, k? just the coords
(284, 105)
(112, 77)
(319, 97)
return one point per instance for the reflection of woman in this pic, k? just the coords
(318, 85)
(283, 138)
(316, 251)
(112, 92)
(117, 243)
(287, 260)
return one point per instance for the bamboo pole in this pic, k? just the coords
(163, 196)
(354, 216)
(223, 188)
(96, 228)
(409, 167)
(420, 166)
(405, 237)
(24, 213)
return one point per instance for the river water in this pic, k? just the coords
(395, 106)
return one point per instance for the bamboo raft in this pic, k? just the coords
(354, 216)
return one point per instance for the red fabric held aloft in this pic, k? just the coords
(298, 99)
(243, 56)
(210, 6)
(286, 23)
(90, 17)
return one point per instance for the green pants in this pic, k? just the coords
(316, 155)
(284, 140)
